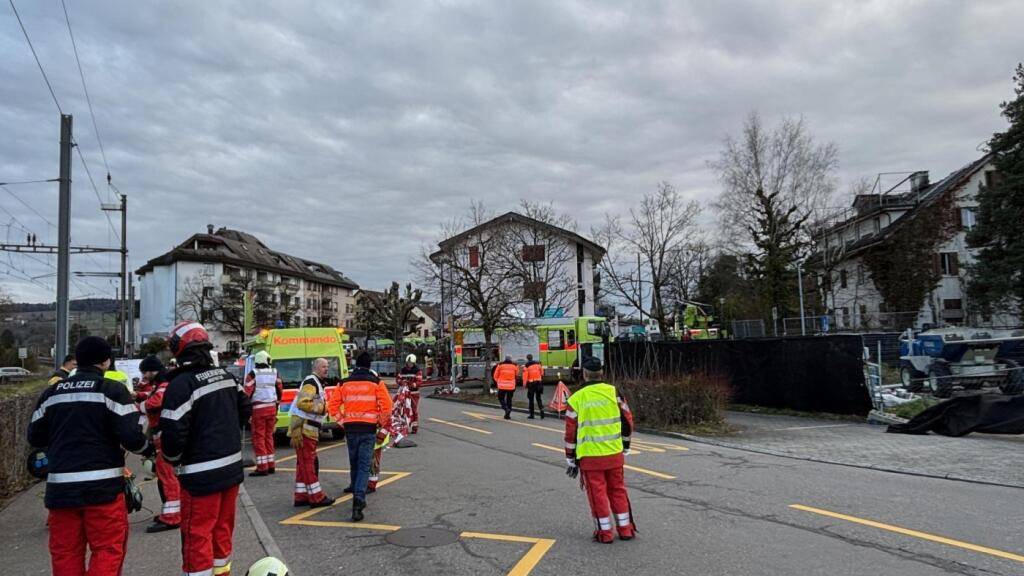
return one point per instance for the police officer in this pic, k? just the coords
(84, 424)
(200, 430)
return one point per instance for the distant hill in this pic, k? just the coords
(83, 305)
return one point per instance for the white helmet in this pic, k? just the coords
(268, 566)
(411, 358)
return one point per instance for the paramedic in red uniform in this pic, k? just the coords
(200, 430)
(84, 423)
(598, 425)
(413, 377)
(155, 380)
(264, 387)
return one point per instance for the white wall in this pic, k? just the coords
(156, 306)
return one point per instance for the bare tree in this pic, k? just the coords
(389, 313)
(686, 268)
(658, 231)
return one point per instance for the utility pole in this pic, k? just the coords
(123, 209)
(800, 284)
(639, 290)
(60, 348)
(131, 318)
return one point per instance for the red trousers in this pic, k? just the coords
(307, 484)
(207, 526)
(264, 421)
(170, 489)
(103, 527)
(609, 502)
(414, 421)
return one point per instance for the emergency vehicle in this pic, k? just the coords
(292, 351)
(558, 343)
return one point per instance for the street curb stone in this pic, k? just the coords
(767, 452)
(270, 547)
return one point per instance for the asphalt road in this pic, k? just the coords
(498, 492)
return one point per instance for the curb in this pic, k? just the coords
(270, 547)
(767, 452)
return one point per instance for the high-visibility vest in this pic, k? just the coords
(294, 410)
(505, 375)
(265, 391)
(533, 373)
(599, 424)
(359, 398)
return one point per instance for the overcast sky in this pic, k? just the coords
(348, 132)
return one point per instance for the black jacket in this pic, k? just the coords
(200, 426)
(84, 424)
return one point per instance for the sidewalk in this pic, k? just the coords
(23, 524)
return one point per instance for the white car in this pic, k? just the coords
(13, 372)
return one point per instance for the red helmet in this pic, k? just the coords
(186, 334)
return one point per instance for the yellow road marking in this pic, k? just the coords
(528, 562)
(663, 445)
(360, 525)
(526, 424)
(331, 470)
(303, 517)
(643, 445)
(293, 456)
(439, 421)
(626, 466)
(913, 533)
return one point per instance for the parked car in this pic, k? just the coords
(13, 373)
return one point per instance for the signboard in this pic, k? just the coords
(130, 367)
(22, 353)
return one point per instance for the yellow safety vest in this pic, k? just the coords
(599, 421)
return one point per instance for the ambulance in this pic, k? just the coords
(292, 352)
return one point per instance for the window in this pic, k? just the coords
(967, 219)
(474, 256)
(875, 226)
(846, 316)
(208, 292)
(948, 263)
(993, 178)
(572, 337)
(953, 304)
(533, 253)
(533, 290)
(842, 278)
(555, 340)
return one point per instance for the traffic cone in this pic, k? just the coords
(560, 399)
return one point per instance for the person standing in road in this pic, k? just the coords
(84, 424)
(598, 425)
(505, 375)
(413, 378)
(264, 387)
(367, 406)
(307, 417)
(533, 380)
(166, 480)
(204, 408)
(63, 371)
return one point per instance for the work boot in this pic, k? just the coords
(603, 537)
(327, 501)
(272, 470)
(357, 510)
(158, 526)
(347, 490)
(508, 415)
(255, 473)
(530, 417)
(541, 417)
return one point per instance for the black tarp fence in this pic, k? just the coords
(814, 373)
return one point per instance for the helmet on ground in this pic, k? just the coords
(411, 359)
(186, 335)
(262, 357)
(268, 566)
(38, 464)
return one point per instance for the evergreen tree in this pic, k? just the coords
(997, 277)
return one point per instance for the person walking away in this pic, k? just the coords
(598, 425)
(307, 417)
(84, 424)
(203, 411)
(154, 378)
(367, 407)
(505, 377)
(63, 371)
(413, 377)
(533, 381)
(264, 387)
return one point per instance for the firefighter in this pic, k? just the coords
(307, 416)
(84, 423)
(154, 379)
(598, 425)
(367, 407)
(204, 409)
(264, 387)
(533, 381)
(63, 371)
(413, 377)
(505, 376)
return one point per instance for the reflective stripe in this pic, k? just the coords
(208, 572)
(361, 398)
(88, 397)
(198, 393)
(221, 562)
(181, 331)
(300, 488)
(314, 488)
(599, 422)
(608, 438)
(270, 458)
(605, 523)
(210, 464)
(171, 507)
(87, 476)
(570, 445)
(351, 416)
(310, 427)
(570, 414)
(622, 519)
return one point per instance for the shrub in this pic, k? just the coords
(687, 400)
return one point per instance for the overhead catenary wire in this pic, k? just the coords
(29, 182)
(36, 56)
(88, 100)
(27, 205)
(96, 190)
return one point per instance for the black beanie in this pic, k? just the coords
(92, 351)
(363, 360)
(151, 364)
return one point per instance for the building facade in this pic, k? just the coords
(208, 277)
(840, 246)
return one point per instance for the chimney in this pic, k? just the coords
(209, 229)
(918, 181)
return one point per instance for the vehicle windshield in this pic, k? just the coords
(293, 371)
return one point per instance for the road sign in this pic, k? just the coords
(22, 353)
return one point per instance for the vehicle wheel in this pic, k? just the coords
(940, 379)
(1014, 382)
(911, 378)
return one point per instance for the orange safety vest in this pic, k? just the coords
(533, 373)
(359, 398)
(505, 375)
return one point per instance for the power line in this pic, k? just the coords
(27, 205)
(36, 56)
(96, 190)
(29, 182)
(85, 89)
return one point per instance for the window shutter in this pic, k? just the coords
(938, 263)
(960, 219)
(474, 256)
(954, 264)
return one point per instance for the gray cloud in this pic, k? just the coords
(347, 132)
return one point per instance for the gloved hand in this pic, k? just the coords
(572, 469)
(381, 435)
(297, 439)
